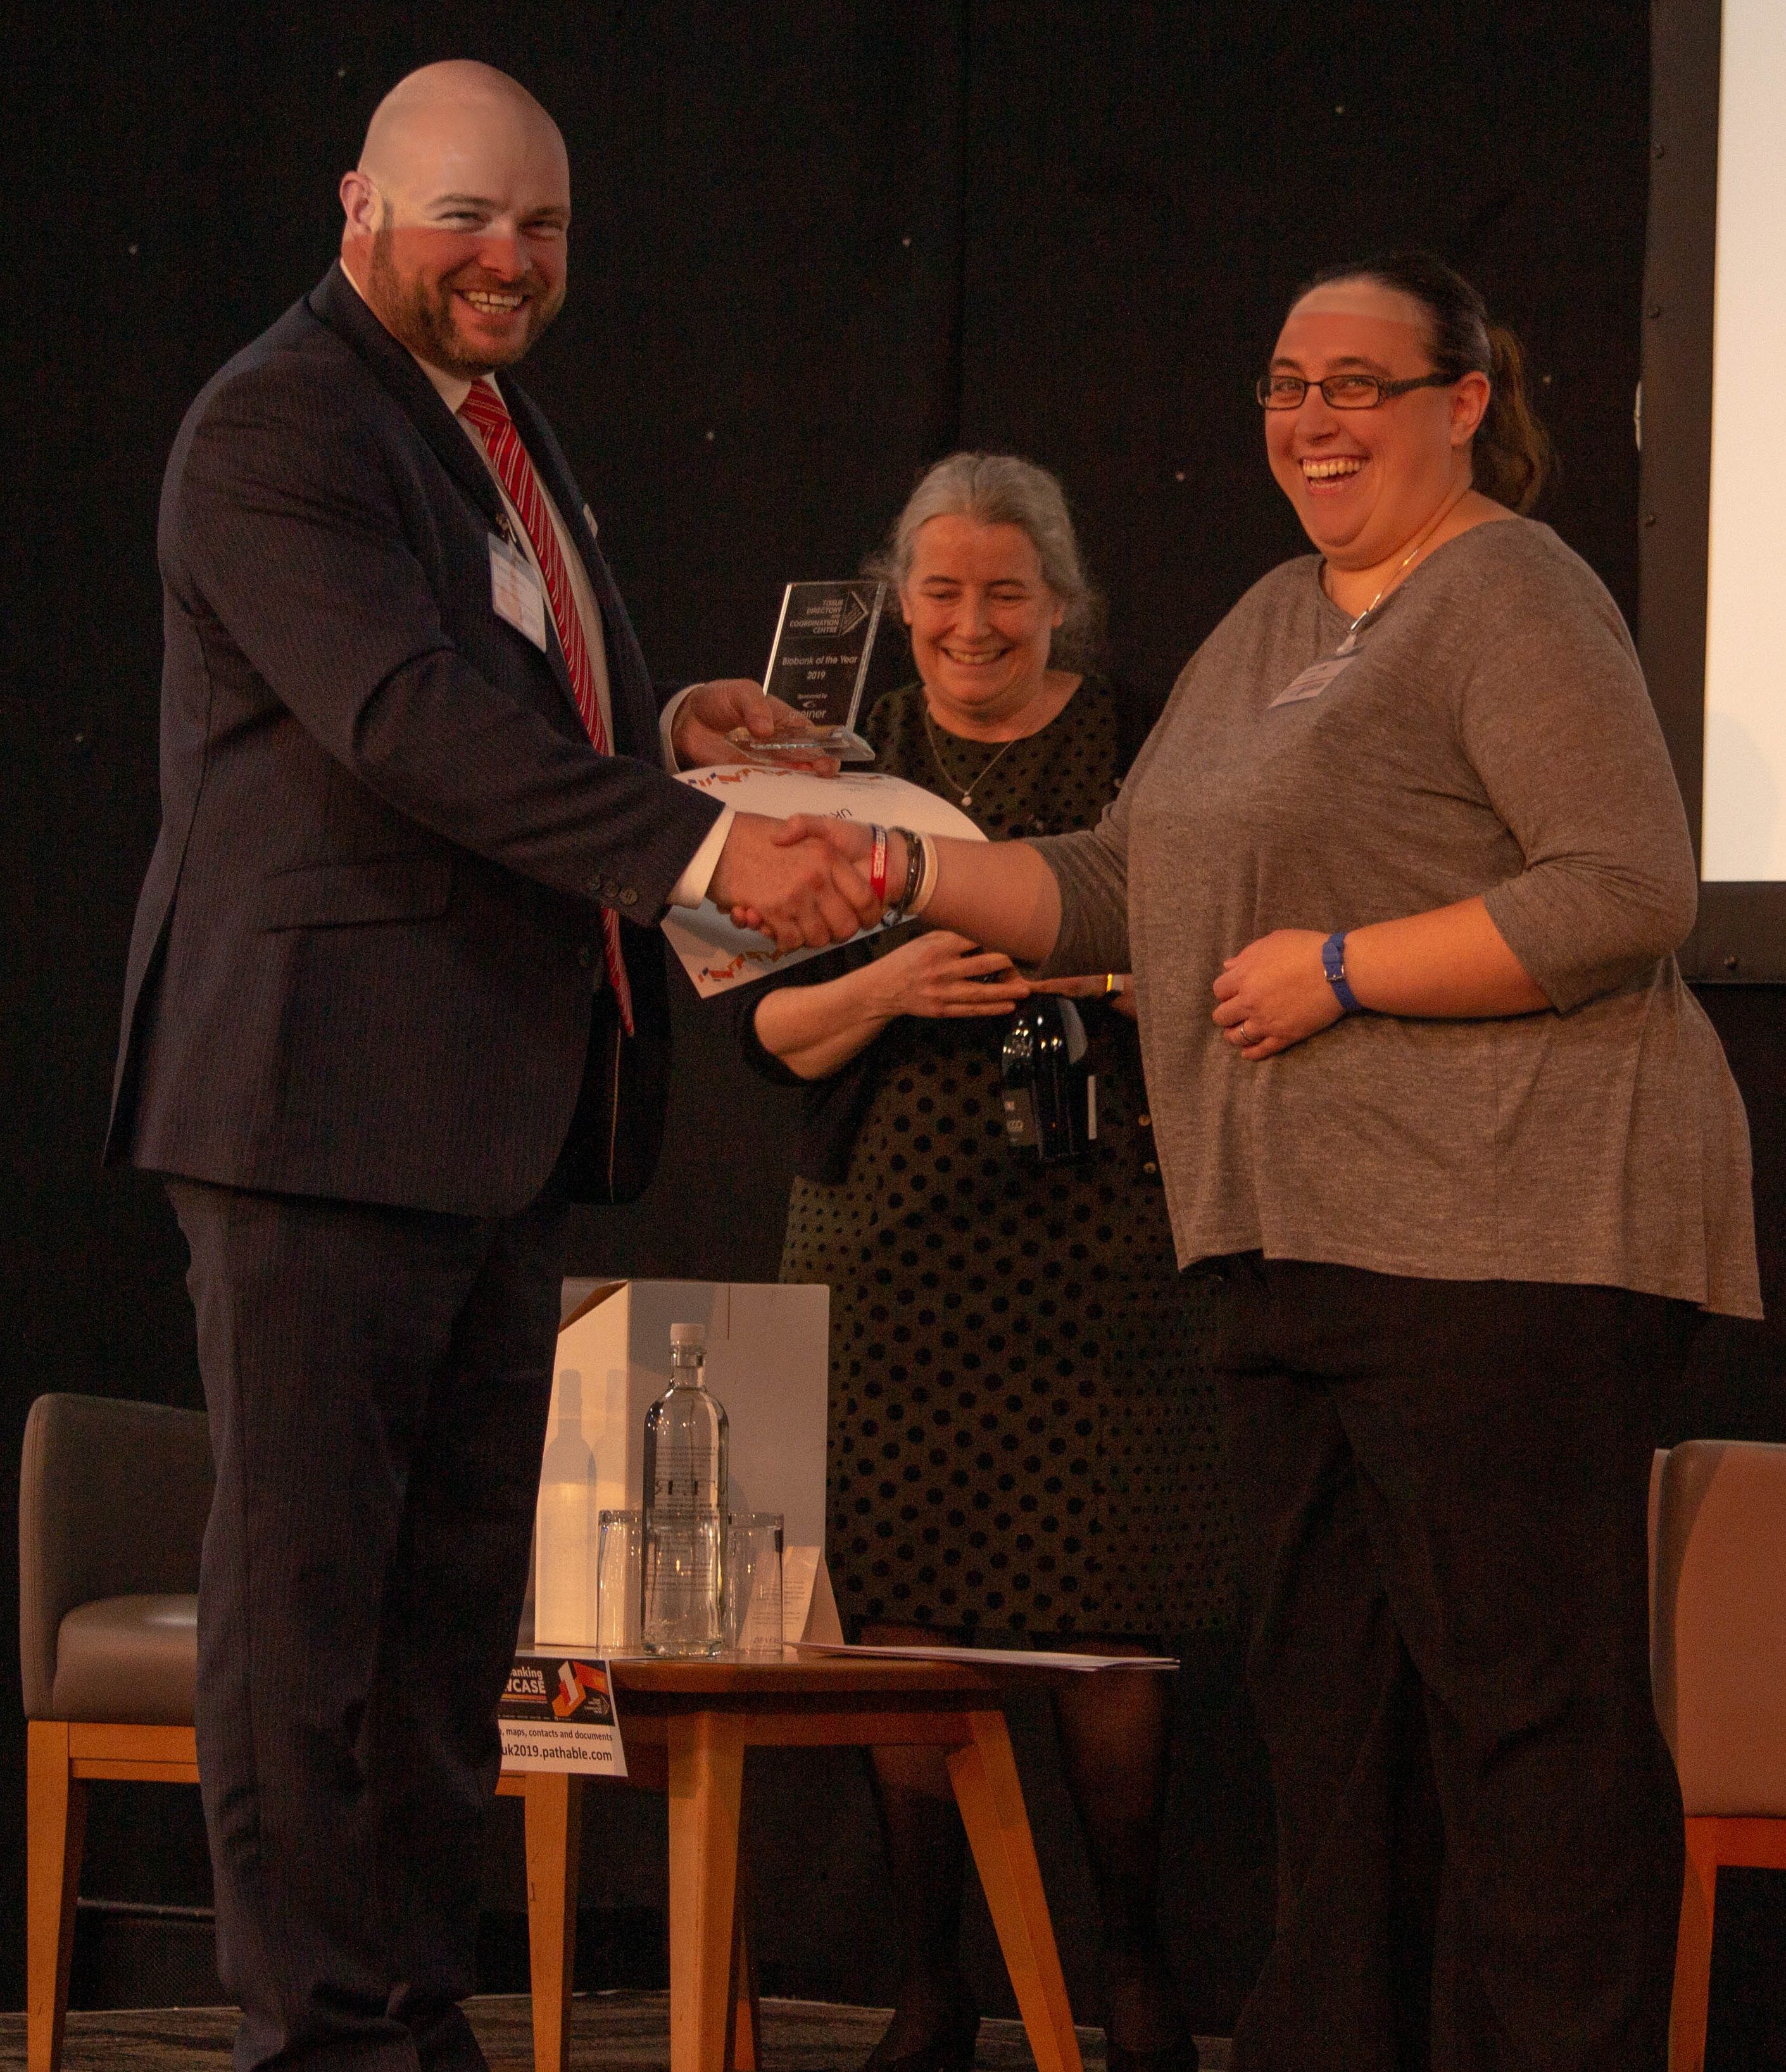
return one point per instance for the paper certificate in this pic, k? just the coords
(716, 955)
(996, 1658)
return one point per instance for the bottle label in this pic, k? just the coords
(1020, 1116)
(686, 1482)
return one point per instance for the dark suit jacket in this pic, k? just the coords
(366, 952)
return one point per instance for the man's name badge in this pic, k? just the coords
(1313, 681)
(516, 592)
(819, 663)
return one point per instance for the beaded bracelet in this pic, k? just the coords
(899, 908)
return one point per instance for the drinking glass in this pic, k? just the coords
(619, 1553)
(683, 1588)
(753, 1582)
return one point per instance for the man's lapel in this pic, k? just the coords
(337, 303)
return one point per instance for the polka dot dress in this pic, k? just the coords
(1022, 1441)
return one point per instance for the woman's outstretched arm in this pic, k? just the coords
(1000, 894)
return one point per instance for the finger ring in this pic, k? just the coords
(1246, 1033)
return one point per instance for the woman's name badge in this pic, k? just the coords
(515, 591)
(1313, 681)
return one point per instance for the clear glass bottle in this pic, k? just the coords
(683, 1577)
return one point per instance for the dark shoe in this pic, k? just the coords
(1156, 1990)
(948, 2049)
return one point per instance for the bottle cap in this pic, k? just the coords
(688, 1334)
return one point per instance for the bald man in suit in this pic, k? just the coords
(395, 998)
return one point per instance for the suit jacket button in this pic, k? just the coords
(594, 888)
(629, 897)
(583, 956)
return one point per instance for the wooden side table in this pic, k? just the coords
(686, 1725)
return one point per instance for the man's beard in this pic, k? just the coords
(421, 316)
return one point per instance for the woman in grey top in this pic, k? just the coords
(1400, 873)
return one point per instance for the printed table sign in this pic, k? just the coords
(558, 1713)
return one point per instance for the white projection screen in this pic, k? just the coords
(1744, 805)
(1712, 620)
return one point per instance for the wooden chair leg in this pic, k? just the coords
(1694, 1951)
(56, 1807)
(553, 1801)
(744, 2034)
(706, 1787)
(991, 1799)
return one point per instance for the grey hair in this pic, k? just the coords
(1000, 489)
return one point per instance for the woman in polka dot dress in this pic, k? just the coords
(1016, 1456)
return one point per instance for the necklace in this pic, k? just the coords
(1438, 517)
(949, 777)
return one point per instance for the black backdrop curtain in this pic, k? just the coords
(817, 246)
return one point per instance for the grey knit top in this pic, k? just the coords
(1492, 734)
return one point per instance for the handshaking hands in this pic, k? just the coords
(798, 888)
(823, 863)
(815, 868)
(794, 881)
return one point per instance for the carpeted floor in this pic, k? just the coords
(629, 2031)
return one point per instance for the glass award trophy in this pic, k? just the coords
(818, 664)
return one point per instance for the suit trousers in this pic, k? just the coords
(378, 1382)
(1443, 1489)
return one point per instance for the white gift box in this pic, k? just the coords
(766, 1357)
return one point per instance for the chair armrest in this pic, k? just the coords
(112, 1500)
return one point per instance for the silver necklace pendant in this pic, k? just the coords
(965, 797)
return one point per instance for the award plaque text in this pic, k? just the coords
(819, 661)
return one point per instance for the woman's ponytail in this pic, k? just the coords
(1512, 451)
(1513, 457)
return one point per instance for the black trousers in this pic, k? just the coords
(1443, 1488)
(378, 1382)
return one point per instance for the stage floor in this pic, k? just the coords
(608, 2030)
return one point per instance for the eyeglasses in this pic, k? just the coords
(1340, 392)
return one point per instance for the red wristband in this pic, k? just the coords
(877, 867)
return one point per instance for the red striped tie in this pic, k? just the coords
(514, 469)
